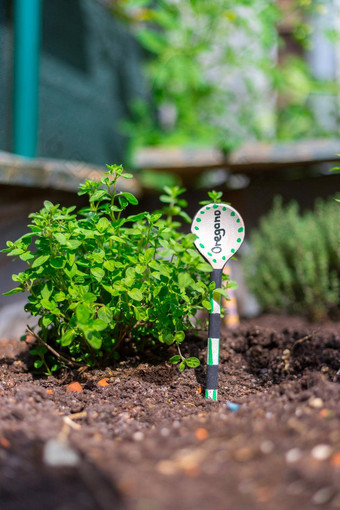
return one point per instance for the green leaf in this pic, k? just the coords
(13, 291)
(127, 176)
(40, 261)
(57, 262)
(89, 297)
(61, 238)
(185, 216)
(179, 337)
(83, 314)
(48, 205)
(109, 265)
(26, 238)
(46, 291)
(47, 320)
(155, 217)
(16, 251)
(129, 197)
(99, 325)
(148, 254)
(60, 296)
(103, 224)
(165, 199)
(222, 292)
(73, 244)
(136, 294)
(49, 305)
(175, 359)
(98, 195)
(38, 363)
(206, 305)
(94, 339)
(168, 338)
(26, 256)
(137, 217)
(98, 273)
(72, 271)
(105, 314)
(204, 267)
(193, 362)
(182, 365)
(152, 40)
(67, 337)
(184, 280)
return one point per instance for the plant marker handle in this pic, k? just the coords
(219, 231)
(213, 353)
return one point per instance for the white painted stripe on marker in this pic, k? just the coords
(213, 351)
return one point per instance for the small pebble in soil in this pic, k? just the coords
(166, 467)
(321, 452)
(323, 496)
(165, 432)
(293, 455)
(267, 447)
(138, 436)
(233, 406)
(58, 454)
(317, 403)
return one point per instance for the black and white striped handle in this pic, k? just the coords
(214, 338)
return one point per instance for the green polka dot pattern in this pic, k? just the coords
(220, 233)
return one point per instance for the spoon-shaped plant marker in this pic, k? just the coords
(219, 229)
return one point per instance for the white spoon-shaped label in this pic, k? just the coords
(220, 232)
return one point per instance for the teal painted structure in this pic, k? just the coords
(90, 75)
(27, 37)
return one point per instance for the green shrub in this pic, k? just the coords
(97, 279)
(294, 263)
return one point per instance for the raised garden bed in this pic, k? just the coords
(145, 437)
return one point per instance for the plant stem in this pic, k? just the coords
(68, 361)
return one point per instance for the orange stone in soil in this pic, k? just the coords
(193, 471)
(4, 442)
(49, 391)
(326, 413)
(336, 459)
(103, 382)
(74, 386)
(201, 434)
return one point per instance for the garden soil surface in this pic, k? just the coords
(141, 436)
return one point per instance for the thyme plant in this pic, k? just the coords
(294, 264)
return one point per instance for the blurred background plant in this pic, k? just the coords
(225, 71)
(294, 262)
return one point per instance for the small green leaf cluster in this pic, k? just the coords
(214, 196)
(294, 264)
(99, 277)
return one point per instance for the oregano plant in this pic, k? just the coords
(99, 277)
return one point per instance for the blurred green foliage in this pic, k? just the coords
(212, 71)
(294, 263)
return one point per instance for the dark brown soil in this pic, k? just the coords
(149, 440)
